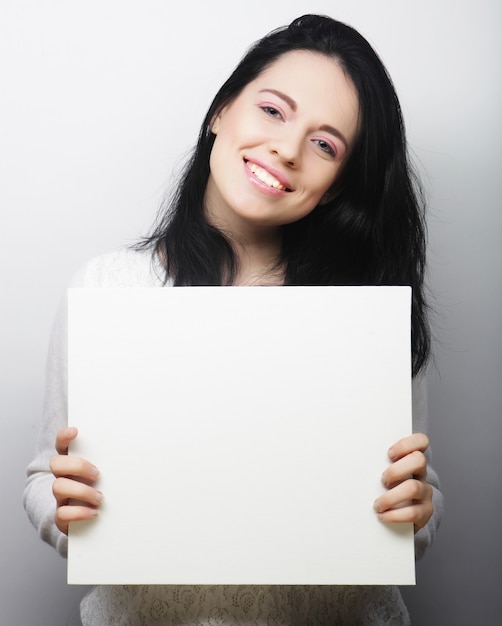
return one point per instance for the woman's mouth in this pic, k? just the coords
(265, 176)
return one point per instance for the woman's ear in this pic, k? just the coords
(328, 196)
(215, 124)
(333, 192)
(217, 118)
(216, 121)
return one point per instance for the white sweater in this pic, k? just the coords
(200, 605)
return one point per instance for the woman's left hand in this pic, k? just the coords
(409, 496)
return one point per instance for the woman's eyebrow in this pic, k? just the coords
(293, 106)
(335, 132)
(289, 101)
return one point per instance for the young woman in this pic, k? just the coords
(300, 177)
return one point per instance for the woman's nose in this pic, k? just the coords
(287, 146)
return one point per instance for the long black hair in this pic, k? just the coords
(372, 232)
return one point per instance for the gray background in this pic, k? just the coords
(99, 100)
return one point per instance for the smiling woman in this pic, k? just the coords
(300, 176)
(279, 145)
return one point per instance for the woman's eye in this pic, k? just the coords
(325, 147)
(271, 111)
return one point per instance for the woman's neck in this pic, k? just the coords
(258, 264)
(257, 249)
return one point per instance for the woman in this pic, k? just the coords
(300, 177)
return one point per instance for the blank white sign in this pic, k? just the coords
(241, 433)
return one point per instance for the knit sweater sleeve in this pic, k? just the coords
(122, 268)
(425, 536)
(39, 501)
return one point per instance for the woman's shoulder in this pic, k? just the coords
(125, 267)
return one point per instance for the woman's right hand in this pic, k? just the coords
(73, 489)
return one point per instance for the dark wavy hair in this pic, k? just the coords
(373, 230)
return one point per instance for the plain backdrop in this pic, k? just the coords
(100, 102)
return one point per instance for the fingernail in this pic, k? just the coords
(391, 453)
(98, 496)
(375, 505)
(94, 512)
(94, 472)
(384, 479)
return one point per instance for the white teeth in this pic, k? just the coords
(264, 176)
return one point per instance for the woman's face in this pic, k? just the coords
(281, 143)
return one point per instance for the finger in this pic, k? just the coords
(411, 501)
(67, 514)
(63, 438)
(413, 464)
(75, 467)
(65, 489)
(406, 492)
(418, 514)
(417, 441)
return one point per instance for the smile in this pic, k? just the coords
(265, 176)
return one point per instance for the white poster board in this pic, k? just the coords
(241, 433)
